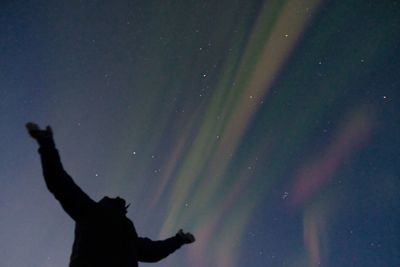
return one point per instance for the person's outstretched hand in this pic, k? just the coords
(38, 134)
(187, 238)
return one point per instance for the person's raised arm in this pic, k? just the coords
(73, 200)
(153, 251)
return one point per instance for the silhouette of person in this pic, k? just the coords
(104, 236)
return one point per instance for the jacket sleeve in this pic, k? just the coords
(73, 200)
(153, 251)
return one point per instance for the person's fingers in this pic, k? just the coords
(49, 130)
(190, 237)
(30, 126)
(186, 237)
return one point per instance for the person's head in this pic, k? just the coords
(117, 204)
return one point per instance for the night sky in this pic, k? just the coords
(268, 129)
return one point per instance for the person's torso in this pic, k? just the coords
(104, 239)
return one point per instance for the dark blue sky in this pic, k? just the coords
(269, 129)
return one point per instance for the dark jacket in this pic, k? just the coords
(102, 237)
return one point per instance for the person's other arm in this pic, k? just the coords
(73, 200)
(153, 251)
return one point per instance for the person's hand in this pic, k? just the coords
(38, 134)
(187, 238)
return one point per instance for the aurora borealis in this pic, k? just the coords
(269, 129)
